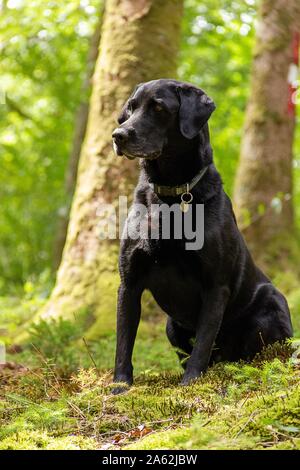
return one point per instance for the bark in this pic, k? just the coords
(79, 134)
(264, 187)
(139, 42)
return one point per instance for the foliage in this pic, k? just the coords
(55, 343)
(216, 55)
(21, 308)
(43, 59)
(44, 49)
(43, 56)
(60, 398)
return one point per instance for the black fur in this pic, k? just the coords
(216, 298)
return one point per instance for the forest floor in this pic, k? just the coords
(55, 393)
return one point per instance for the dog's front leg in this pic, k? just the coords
(207, 329)
(128, 318)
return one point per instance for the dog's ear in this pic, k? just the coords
(195, 110)
(124, 113)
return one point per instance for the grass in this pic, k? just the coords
(56, 393)
(234, 406)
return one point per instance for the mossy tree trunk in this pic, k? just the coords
(264, 188)
(139, 42)
(80, 127)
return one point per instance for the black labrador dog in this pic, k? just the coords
(220, 306)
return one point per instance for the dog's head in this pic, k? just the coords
(155, 112)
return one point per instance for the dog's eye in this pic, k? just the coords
(130, 107)
(158, 107)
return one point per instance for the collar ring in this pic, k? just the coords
(187, 197)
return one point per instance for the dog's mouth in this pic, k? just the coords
(130, 156)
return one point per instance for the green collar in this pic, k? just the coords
(178, 190)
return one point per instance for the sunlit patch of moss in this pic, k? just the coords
(42, 416)
(272, 417)
(263, 421)
(105, 322)
(37, 440)
(233, 405)
(248, 378)
(145, 407)
(196, 436)
(172, 439)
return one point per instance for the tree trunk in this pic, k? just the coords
(264, 188)
(79, 134)
(3, 6)
(139, 42)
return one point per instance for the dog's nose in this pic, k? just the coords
(120, 135)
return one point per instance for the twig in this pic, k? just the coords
(90, 355)
(247, 422)
(44, 360)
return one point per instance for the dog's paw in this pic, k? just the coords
(119, 388)
(189, 379)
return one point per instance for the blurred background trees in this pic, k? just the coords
(48, 51)
(44, 48)
(80, 126)
(137, 45)
(239, 52)
(264, 181)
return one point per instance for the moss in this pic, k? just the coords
(36, 440)
(41, 416)
(106, 309)
(261, 422)
(195, 437)
(172, 439)
(232, 406)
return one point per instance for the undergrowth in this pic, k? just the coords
(55, 392)
(234, 405)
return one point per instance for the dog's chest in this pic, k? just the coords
(176, 282)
